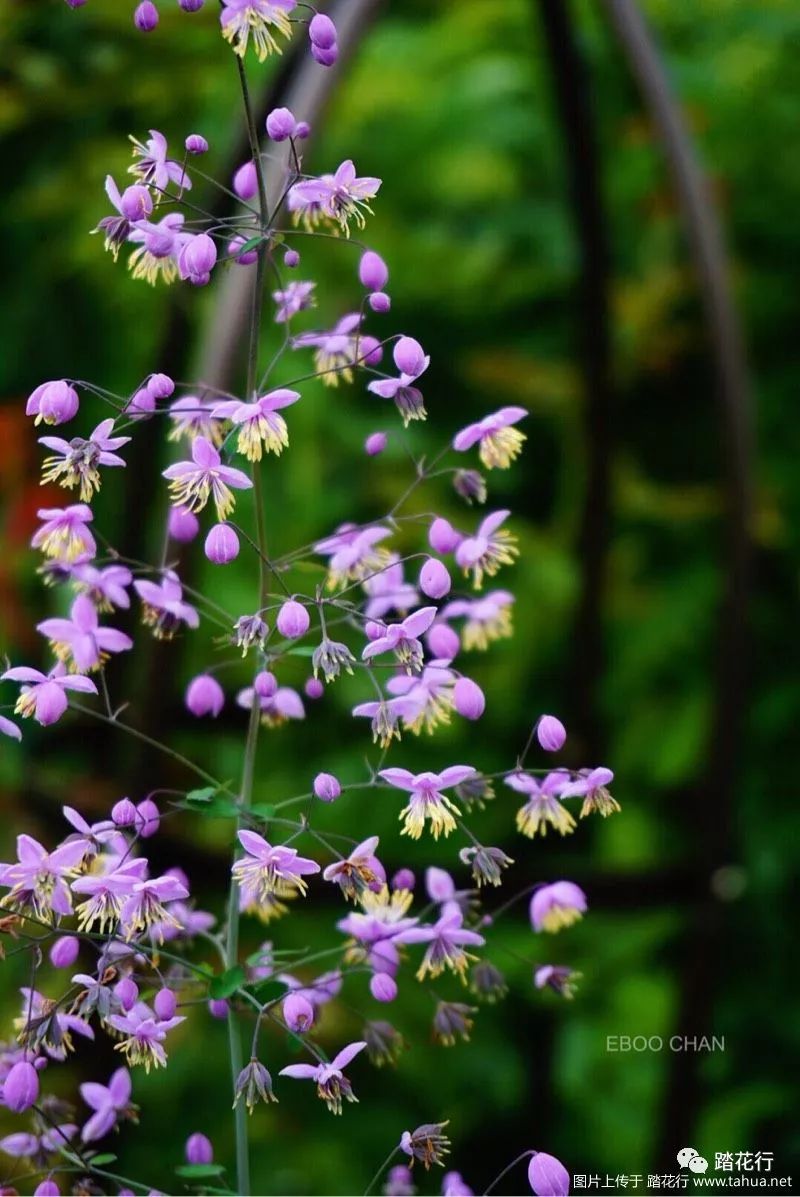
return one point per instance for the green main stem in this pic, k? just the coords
(251, 745)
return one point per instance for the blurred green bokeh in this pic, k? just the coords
(451, 104)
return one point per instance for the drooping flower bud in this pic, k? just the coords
(191, 5)
(322, 31)
(434, 580)
(123, 813)
(265, 684)
(198, 1149)
(298, 1013)
(468, 698)
(160, 385)
(127, 992)
(325, 58)
(245, 181)
(383, 987)
(205, 696)
(293, 620)
(404, 879)
(197, 259)
(147, 818)
(182, 525)
(379, 301)
(218, 1008)
(244, 259)
(327, 787)
(443, 642)
(47, 1188)
(375, 443)
(291, 259)
(146, 16)
(442, 536)
(64, 951)
(195, 143)
(53, 402)
(409, 356)
(165, 1004)
(551, 733)
(136, 202)
(222, 544)
(547, 1176)
(373, 272)
(314, 688)
(21, 1088)
(280, 124)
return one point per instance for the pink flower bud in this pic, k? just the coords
(64, 951)
(197, 259)
(123, 813)
(191, 5)
(265, 684)
(442, 536)
(314, 688)
(196, 144)
(383, 987)
(409, 356)
(160, 386)
(293, 620)
(373, 272)
(21, 1088)
(47, 1188)
(204, 696)
(551, 733)
(146, 16)
(379, 301)
(222, 544)
(443, 642)
(147, 818)
(291, 258)
(198, 1149)
(298, 1013)
(322, 31)
(375, 443)
(547, 1175)
(127, 993)
(218, 1008)
(325, 58)
(327, 787)
(141, 405)
(183, 525)
(374, 630)
(53, 402)
(434, 580)
(280, 124)
(302, 130)
(468, 698)
(245, 181)
(136, 202)
(165, 1004)
(404, 879)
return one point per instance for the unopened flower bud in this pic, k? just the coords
(53, 402)
(21, 1088)
(197, 259)
(147, 818)
(409, 356)
(196, 144)
(468, 698)
(327, 57)
(146, 16)
(243, 259)
(314, 688)
(442, 536)
(160, 385)
(182, 525)
(322, 31)
(547, 1175)
(443, 642)
(281, 124)
(165, 1004)
(198, 1149)
(204, 696)
(375, 443)
(404, 879)
(434, 580)
(126, 991)
(379, 302)
(245, 181)
(293, 620)
(218, 1008)
(191, 5)
(551, 733)
(64, 951)
(383, 987)
(291, 259)
(222, 544)
(327, 787)
(136, 202)
(47, 1188)
(265, 684)
(373, 272)
(123, 813)
(298, 1013)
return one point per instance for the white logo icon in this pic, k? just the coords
(689, 1158)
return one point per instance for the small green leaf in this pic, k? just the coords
(199, 1171)
(253, 243)
(224, 984)
(198, 797)
(99, 1161)
(301, 650)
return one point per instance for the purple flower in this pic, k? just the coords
(182, 525)
(145, 16)
(490, 548)
(144, 1035)
(164, 608)
(542, 809)
(42, 695)
(399, 1182)
(411, 361)
(386, 716)
(37, 880)
(64, 951)
(265, 870)
(332, 1084)
(63, 534)
(196, 144)
(158, 243)
(293, 620)
(547, 1176)
(205, 696)
(592, 786)
(446, 941)
(322, 31)
(298, 1013)
(281, 124)
(327, 788)
(222, 544)
(375, 443)
(556, 906)
(245, 180)
(499, 443)
(263, 20)
(403, 640)
(197, 258)
(297, 297)
(199, 1149)
(194, 482)
(145, 910)
(340, 349)
(434, 580)
(487, 619)
(443, 537)
(259, 423)
(109, 1102)
(557, 977)
(276, 708)
(76, 463)
(358, 871)
(21, 1087)
(153, 167)
(454, 1185)
(107, 893)
(254, 1083)
(388, 590)
(9, 728)
(53, 402)
(106, 587)
(192, 417)
(80, 641)
(430, 696)
(333, 200)
(426, 1143)
(373, 272)
(383, 987)
(427, 800)
(352, 555)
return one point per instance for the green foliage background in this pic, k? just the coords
(450, 103)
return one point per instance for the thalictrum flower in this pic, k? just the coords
(352, 553)
(446, 940)
(43, 695)
(153, 167)
(427, 1143)
(498, 441)
(360, 870)
(403, 640)
(557, 977)
(542, 808)
(490, 548)
(263, 20)
(275, 708)
(452, 1021)
(110, 1103)
(427, 800)
(144, 1035)
(159, 244)
(80, 641)
(386, 716)
(106, 586)
(107, 893)
(265, 870)
(558, 905)
(296, 297)
(43, 1024)
(164, 608)
(412, 362)
(144, 910)
(547, 1176)
(333, 200)
(486, 619)
(331, 657)
(53, 402)
(37, 880)
(332, 1085)
(259, 423)
(341, 349)
(388, 591)
(191, 417)
(592, 786)
(64, 534)
(430, 694)
(194, 482)
(254, 1084)
(9, 728)
(134, 204)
